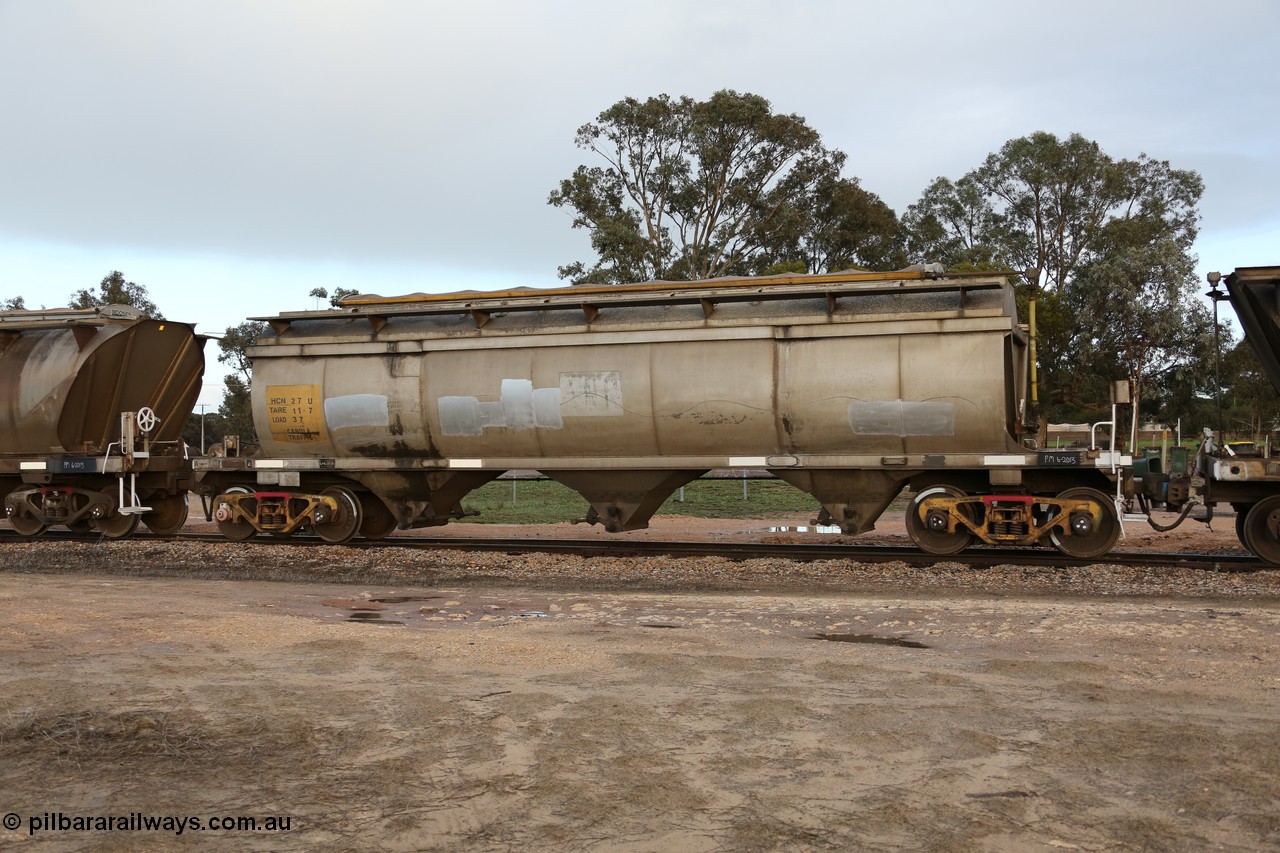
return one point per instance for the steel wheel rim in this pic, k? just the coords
(346, 522)
(167, 515)
(236, 531)
(932, 541)
(377, 521)
(1259, 526)
(27, 525)
(116, 526)
(1241, 515)
(1105, 533)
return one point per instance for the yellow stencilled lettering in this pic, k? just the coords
(295, 413)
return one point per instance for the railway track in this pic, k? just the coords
(802, 552)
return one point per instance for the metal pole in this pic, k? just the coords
(1217, 296)
(1033, 276)
(1035, 382)
(1217, 375)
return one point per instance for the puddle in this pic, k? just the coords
(404, 599)
(368, 617)
(817, 528)
(869, 638)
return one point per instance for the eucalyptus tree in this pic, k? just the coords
(1111, 239)
(695, 189)
(236, 409)
(114, 290)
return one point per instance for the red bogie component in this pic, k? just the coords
(988, 500)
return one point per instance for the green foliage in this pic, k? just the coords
(339, 294)
(840, 226)
(722, 498)
(114, 290)
(1251, 406)
(235, 342)
(16, 303)
(236, 411)
(214, 428)
(1139, 293)
(548, 502)
(698, 189)
(1113, 239)
(786, 268)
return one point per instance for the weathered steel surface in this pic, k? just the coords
(1255, 294)
(796, 369)
(65, 377)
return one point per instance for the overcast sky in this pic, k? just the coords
(231, 156)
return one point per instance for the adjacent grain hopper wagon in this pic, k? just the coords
(92, 407)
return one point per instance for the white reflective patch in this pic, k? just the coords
(517, 403)
(357, 410)
(591, 395)
(747, 461)
(902, 418)
(1004, 460)
(519, 406)
(546, 408)
(268, 463)
(466, 463)
(33, 466)
(459, 415)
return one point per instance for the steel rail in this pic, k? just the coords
(737, 551)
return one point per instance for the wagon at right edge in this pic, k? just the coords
(1247, 475)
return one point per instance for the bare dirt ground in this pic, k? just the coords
(444, 715)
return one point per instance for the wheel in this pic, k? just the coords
(236, 531)
(167, 515)
(82, 526)
(930, 533)
(1242, 512)
(345, 523)
(1089, 534)
(378, 521)
(1262, 529)
(117, 525)
(27, 525)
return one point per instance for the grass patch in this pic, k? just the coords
(546, 501)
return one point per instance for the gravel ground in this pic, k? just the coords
(398, 699)
(391, 565)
